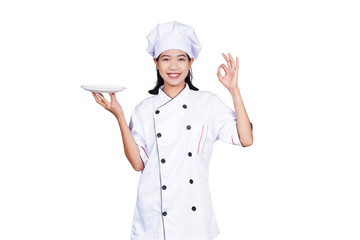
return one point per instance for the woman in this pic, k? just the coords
(171, 135)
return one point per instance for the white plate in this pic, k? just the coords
(103, 88)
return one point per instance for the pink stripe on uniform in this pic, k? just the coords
(145, 152)
(200, 137)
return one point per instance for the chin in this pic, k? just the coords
(175, 82)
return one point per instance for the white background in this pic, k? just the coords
(63, 171)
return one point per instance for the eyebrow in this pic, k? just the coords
(181, 55)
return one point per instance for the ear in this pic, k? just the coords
(191, 62)
(156, 63)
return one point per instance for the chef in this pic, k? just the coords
(175, 131)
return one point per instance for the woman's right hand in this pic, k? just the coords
(114, 106)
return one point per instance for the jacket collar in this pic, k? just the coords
(164, 99)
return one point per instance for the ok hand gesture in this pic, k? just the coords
(230, 80)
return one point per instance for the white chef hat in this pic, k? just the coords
(173, 35)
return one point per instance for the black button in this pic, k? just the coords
(190, 154)
(184, 106)
(157, 111)
(163, 161)
(188, 127)
(191, 181)
(164, 213)
(193, 208)
(158, 135)
(164, 187)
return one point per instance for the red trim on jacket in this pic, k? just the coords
(200, 138)
(145, 152)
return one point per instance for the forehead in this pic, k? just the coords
(173, 52)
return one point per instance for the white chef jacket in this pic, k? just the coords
(175, 137)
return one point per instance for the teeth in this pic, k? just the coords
(174, 75)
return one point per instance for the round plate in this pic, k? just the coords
(103, 88)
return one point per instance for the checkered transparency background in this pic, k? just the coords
(63, 171)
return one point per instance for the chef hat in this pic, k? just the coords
(173, 35)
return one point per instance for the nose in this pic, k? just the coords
(173, 65)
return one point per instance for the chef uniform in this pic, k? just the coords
(175, 137)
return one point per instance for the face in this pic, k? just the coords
(173, 66)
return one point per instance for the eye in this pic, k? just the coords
(165, 59)
(182, 59)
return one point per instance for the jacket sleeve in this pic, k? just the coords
(136, 127)
(224, 123)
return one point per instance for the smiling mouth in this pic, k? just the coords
(174, 75)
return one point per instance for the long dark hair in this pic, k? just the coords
(160, 80)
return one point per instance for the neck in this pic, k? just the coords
(173, 90)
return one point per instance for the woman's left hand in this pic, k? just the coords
(230, 80)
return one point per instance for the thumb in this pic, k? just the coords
(112, 95)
